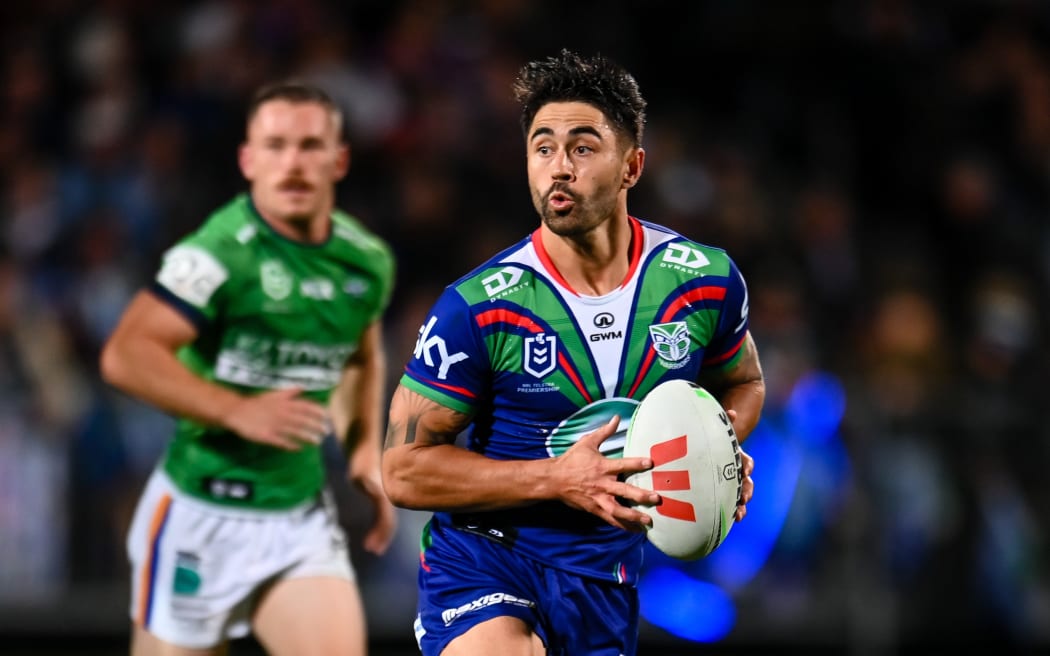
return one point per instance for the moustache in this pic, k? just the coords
(560, 188)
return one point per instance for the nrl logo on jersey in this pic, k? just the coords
(502, 282)
(671, 343)
(276, 280)
(541, 354)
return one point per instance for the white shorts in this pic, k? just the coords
(197, 569)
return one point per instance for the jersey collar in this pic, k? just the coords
(637, 244)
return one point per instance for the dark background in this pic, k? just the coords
(879, 169)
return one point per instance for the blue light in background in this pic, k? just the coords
(778, 462)
(685, 606)
(799, 460)
(815, 408)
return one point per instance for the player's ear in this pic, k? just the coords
(245, 161)
(342, 162)
(633, 167)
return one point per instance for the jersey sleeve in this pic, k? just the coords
(388, 277)
(726, 345)
(450, 364)
(192, 278)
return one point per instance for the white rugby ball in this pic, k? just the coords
(696, 468)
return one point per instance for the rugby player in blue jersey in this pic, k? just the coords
(509, 420)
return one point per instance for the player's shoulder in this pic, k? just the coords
(500, 276)
(349, 229)
(227, 225)
(220, 238)
(669, 248)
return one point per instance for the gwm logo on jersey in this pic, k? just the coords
(502, 282)
(541, 354)
(682, 256)
(276, 281)
(605, 321)
(671, 343)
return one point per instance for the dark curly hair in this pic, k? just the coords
(597, 81)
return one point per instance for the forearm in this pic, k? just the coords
(357, 407)
(741, 389)
(746, 400)
(361, 439)
(445, 477)
(151, 373)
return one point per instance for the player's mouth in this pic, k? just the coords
(560, 201)
(295, 188)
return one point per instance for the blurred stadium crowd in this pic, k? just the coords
(880, 170)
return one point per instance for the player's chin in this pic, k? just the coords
(296, 212)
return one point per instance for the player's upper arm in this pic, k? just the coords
(147, 323)
(745, 370)
(416, 421)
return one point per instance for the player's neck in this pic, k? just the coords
(313, 230)
(593, 264)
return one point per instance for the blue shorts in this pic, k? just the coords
(465, 579)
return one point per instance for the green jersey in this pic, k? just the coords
(271, 313)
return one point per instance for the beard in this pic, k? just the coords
(586, 213)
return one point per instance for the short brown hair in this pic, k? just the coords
(293, 91)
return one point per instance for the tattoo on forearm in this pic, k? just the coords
(410, 430)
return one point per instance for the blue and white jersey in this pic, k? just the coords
(538, 365)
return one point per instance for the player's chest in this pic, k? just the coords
(309, 297)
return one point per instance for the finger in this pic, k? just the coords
(283, 442)
(637, 495)
(629, 465)
(376, 543)
(602, 433)
(312, 412)
(287, 392)
(629, 519)
(308, 428)
(747, 490)
(747, 463)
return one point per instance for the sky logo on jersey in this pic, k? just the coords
(685, 256)
(671, 343)
(276, 281)
(426, 343)
(502, 280)
(540, 356)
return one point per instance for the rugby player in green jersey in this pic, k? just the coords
(261, 333)
(540, 355)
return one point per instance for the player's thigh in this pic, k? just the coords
(144, 643)
(505, 635)
(311, 616)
